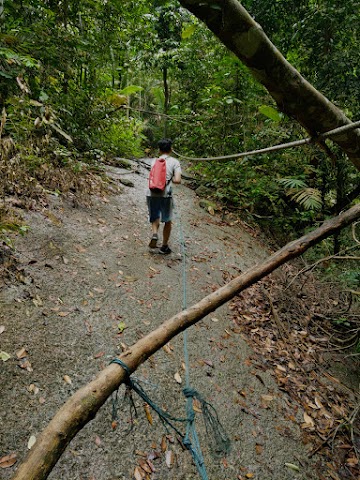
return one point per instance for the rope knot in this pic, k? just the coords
(189, 392)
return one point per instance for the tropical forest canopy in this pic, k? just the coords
(82, 81)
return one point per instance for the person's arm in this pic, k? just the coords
(176, 177)
(177, 174)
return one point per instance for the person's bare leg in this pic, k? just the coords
(154, 228)
(166, 233)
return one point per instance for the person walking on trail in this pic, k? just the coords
(160, 202)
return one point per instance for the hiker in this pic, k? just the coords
(159, 200)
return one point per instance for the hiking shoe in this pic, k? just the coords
(165, 250)
(153, 241)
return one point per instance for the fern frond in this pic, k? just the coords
(292, 183)
(309, 198)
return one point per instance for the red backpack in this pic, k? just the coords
(157, 177)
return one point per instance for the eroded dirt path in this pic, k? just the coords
(87, 271)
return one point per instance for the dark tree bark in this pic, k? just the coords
(84, 404)
(296, 97)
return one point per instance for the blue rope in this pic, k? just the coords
(190, 439)
(191, 436)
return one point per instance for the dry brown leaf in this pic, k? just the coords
(169, 458)
(259, 449)
(99, 290)
(22, 353)
(163, 443)
(8, 460)
(100, 354)
(145, 466)
(209, 363)
(31, 442)
(33, 389)
(139, 473)
(267, 398)
(25, 364)
(63, 314)
(167, 349)
(67, 379)
(308, 420)
(148, 413)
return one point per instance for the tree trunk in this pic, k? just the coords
(229, 20)
(84, 404)
(166, 97)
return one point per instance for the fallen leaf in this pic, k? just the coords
(169, 458)
(25, 364)
(130, 279)
(121, 326)
(22, 353)
(211, 210)
(177, 377)
(267, 398)
(99, 290)
(67, 379)
(292, 467)
(309, 422)
(163, 444)
(63, 314)
(352, 461)
(2, 328)
(145, 466)
(209, 363)
(100, 354)
(4, 356)
(259, 449)
(33, 389)
(139, 473)
(114, 424)
(214, 319)
(8, 460)
(97, 441)
(31, 442)
(37, 301)
(250, 475)
(167, 348)
(148, 413)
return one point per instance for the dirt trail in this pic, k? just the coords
(86, 270)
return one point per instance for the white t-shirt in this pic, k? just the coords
(172, 166)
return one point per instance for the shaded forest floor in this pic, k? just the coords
(83, 285)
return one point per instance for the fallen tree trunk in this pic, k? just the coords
(295, 96)
(84, 404)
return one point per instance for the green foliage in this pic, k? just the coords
(299, 192)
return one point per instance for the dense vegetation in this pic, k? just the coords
(81, 81)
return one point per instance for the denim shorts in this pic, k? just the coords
(160, 207)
